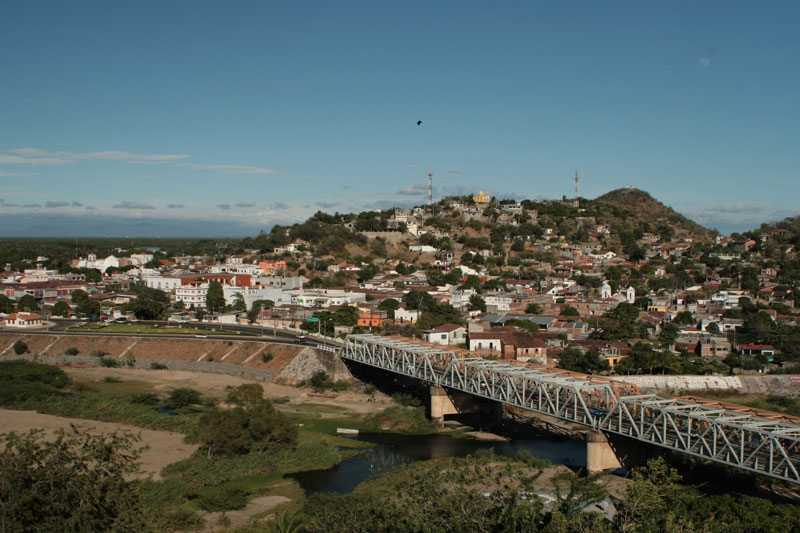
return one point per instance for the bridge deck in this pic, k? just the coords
(735, 437)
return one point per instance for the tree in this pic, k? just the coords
(75, 483)
(6, 305)
(570, 311)
(533, 309)
(713, 328)
(579, 361)
(415, 299)
(215, 298)
(27, 303)
(345, 316)
(253, 424)
(77, 296)
(238, 303)
(685, 318)
(476, 303)
(61, 308)
(390, 305)
(669, 333)
(149, 304)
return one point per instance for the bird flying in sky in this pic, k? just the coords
(419, 123)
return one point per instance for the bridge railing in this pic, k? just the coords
(746, 441)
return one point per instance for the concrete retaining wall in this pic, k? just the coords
(748, 384)
(192, 366)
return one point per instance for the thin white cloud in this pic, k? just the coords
(17, 160)
(417, 188)
(37, 156)
(132, 205)
(10, 174)
(704, 62)
(245, 204)
(229, 169)
(114, 155)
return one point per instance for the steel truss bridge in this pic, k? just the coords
(726, 435)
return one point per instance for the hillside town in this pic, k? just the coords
(620, 284)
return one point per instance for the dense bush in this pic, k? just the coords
(20, 347)
(253, 425)
(108, 362)
(75, 483)
(183, 397)
(22, 381)
(72, 351)
(145, 398)
(158, 366)
(216, 499)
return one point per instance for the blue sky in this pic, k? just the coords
(222, 118)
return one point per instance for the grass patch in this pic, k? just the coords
(317, 408)
(399, 419)
(118, 387)
(113, 408)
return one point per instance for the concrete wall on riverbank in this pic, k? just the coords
(748, 384)
(191, 366)
(247, 358)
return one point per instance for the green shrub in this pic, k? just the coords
(223, 498)
(97, 353)
(72, 351)
(266, 357)
(183, 397)
(20, 347)
(25, 371)
(108, 362)
(408, 400)
(320, 381)
(146, 398)
(22, 381)
(111, 379)
(157, 366)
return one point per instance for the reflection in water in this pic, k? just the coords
(392, 451)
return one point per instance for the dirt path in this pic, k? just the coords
(241, 517)
(165, 447)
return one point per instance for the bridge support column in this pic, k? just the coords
(441, 404)
(599, 454)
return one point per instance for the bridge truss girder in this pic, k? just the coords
(741, 440)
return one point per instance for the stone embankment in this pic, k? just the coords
(245, 358)
(760, 384)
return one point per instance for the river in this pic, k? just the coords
(394, 450)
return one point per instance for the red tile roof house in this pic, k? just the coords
(23, 320)
(518, 345)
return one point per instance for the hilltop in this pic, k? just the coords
(647, 211)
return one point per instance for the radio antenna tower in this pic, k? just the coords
(430, 187)
(575, 202)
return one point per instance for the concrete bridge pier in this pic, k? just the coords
(449, 402)
(599, 453)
